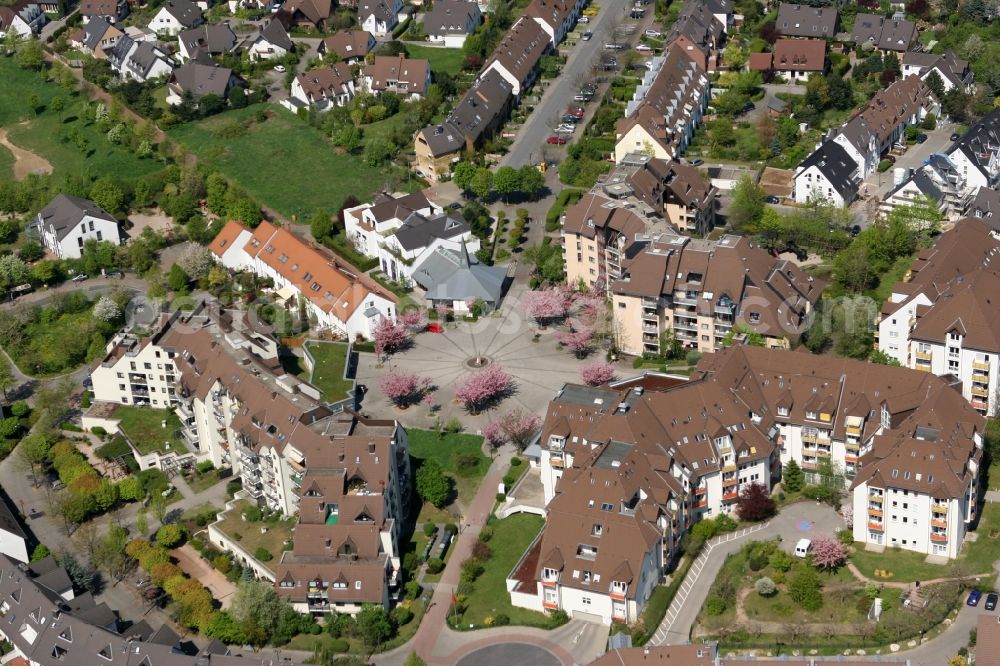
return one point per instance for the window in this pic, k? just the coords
(100, 236)
(357, 585)
(596, 530)
(585, 601)
(607, 507)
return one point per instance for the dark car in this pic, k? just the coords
(991, 601)
(855, 230)
(921, 138)
(575, 111)
(749, 106)
(557, 140)
(568, 118)
(955, 136)
(696, 161)
(771, 199)
(974, 597)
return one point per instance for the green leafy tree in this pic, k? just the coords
(7, 378)
(531, 181)
(110, 555)
(792, 478)
(373, 625)
(321, 225)
(377, 151)
(432, 484)
(462, 175)
(506, 182)
(108, 194)
(177, 279)
(30, 54)
(170, 536)
(482, 183)
(256, 605)
(40, 552)
(805, 589)
(216, 187)
(747, 207)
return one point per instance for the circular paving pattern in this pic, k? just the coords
(510, 654)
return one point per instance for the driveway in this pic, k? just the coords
(527, 147)
(510, 653)
(937, 140)
(193, 565)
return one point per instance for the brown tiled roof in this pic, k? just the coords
(800, 55)
(759, 62)
(349, 43)
(988, 640)
(325, 82)
(895, 105)
(521, 48)
(99, 8)
(595, 213)
(398, 69)
(316, 11)
(553, 12)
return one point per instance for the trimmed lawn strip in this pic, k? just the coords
(248, 534)
(143, 425)
(441, 59)
(285, 139)
(328, 376)
(428, 445)
(489, 597)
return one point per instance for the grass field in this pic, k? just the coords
(449, 451)
(489, 598)
(269, 534)
(6, 163)
(441, 59)
(143, 425)
(283, 162)
(48, 133)
(328, 376)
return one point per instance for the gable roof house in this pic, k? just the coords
(324, 88)
(952, 70)
(986, 206)
(555, 17)
(665, 109)
(701, 29)
(794, 59)
(205, 41)
(407, 77)
(884, 34)
(68, 222)
(198, 80)
(828, 174)
(96, 37)
(339, 296)
(176, 15)
(139, 61)
(305, 13)
(517, 56)
(455, 279)
(449, 22)
(977, 153)
(480, 112)
(350, 45)
(25, 17)
(796, 20)
(271, 42)
(110, 10)
(12, 21)
(379, 17)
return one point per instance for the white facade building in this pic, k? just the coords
(68, 222)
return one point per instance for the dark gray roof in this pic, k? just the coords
(951, 67)
(986, 205)
(118, 53)
(927, 186)
(276, 34)
(867, 28)
(452, 275)
(450, 17)
(187, 13)
(897, 35)
(215, 39)
(805, 21)
(476, 111)
(200, 80)
(47, 572)
(9, 521)
(698, 23)
(418, 231)
(379, 8)
(93, 31)
(143, 58)
(981, 142)
(65, 212)
(836, 165)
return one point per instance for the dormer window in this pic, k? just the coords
(811, 415)
(596, 530)
(782, 411)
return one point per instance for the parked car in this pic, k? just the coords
(557, 140)
(652, 32)
(612, 46)
(644, 48)
(637, 13)
(891, 159)
(749, 106)
(921, 138)
(582, 97)
(696, 161)
(80, 278)
(974, 597)
(955, 136)
(584, 19)
(566, 129)
(434, 328)
(587, 35)
(991, 601)
(771, 199)
(803, 548)
(575, 111)
(279, 68)
(571, 119)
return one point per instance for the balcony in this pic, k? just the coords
(851, 458)
(980, 392)
(875, 512)
(939, 537)
(809, 464)
(700, 503)
(875, 527)
(701, 490)
(729, 482)
(686, 324)
(982, 366)
(938, 522)
(876, 497)
(823, 453)
(731, 495)
(650, 328)
(923, 356)
(556, 461)
(854, 431)
(728, 467)
(550, 605)
(980, 404)
(939, 507)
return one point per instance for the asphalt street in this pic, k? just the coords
(531, 137)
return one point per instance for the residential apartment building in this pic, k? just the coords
(626, 471)
(516, 57)
(665, 109)
(677, 192)
(941, 319)
(889, 35)
(596, 232)
(338, 297)
(828, 174)
(555, 17)
(68, 222)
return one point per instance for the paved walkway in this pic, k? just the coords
(193, 565)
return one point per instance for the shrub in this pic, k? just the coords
(263, 554)
(724, 523)
(781, 561)
(884, 165)
(233, 486)
(222, 563)
(434, 565)
(486, 533)
(99, 431)
(501, 497)
(765, 587)
(204, 466)
(171, 536)
(413, 589)
(481, 551)
(805, 589)
(471, 570)
(501, 620)
(430, 529)
(757, 561)
(509, 480)
(19, 409)
(516, 462)
(845, 537)
(401, 615)
(339, 645)
(451, 528)
(715, 606)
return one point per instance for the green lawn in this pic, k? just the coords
(328, 375)
(143, 425)
(441, 59)
(6, 164)
(511, 537)
(51, 134)
(448, 451)
(249, 534)
(314, 174)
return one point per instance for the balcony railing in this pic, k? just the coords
(731, 495)
(854, 430)
(980, 392)
(984, 366)
(922, 356)
(937, 522)
(939, 537)
(875, 497)
(872, 511)
(700, 503)
(875, 527)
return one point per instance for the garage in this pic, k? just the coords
(588, 617)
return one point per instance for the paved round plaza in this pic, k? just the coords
(510, 654)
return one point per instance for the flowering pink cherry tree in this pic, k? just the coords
(484, 386)
(404, 388)
(828, 553)
(414, 320)
(597, 372)
(545, 306)
(494, 434)
(389, 336)
(579, 340)
(519, 426)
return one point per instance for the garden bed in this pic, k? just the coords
(144, 427)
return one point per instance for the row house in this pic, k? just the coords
(948, 67)
(338, 297)
(139, 60)
(517, 56)
(626, 471)
(940, 318)
(701, 30)
(889, 35)
(666, 108)
(555, 17)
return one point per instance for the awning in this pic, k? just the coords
(286, 293)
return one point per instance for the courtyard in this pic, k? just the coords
(507, 338)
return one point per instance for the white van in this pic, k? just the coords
(803, 547)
